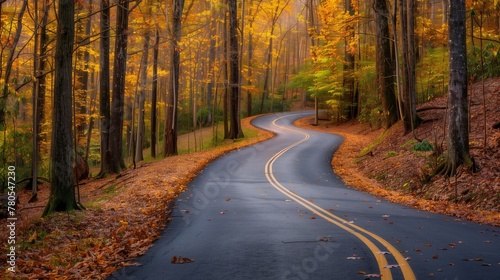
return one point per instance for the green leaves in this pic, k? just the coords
(423, 146)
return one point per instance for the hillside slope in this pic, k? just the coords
(386, 163)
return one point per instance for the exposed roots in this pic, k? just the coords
(449, 168)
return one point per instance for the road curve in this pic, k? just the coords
(276, 210)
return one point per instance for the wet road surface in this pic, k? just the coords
(276, 210)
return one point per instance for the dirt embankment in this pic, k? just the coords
(395, 166)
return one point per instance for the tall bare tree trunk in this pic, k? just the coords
(348, 79)
(82, 30)
(235, 130)
(458, 116)
(250, 58)
(154, 93)
(211, 66)
(268, 64)
(39, 87)
(170, 136)
(385, 64)
(90, 85)
(104, 87)
(267, 79)
(312, 26)
(142, 99)
(62, 191)
(410, 117)
(225, 66)
(117, 102)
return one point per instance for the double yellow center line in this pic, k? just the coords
(362, 234)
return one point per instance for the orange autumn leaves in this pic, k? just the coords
(124, 216)
(180, 260)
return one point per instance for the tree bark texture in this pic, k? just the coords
(82, 57)
(249, 60)
(211, 67)
(458, 122)
(235, 130)
(39, 87)
(104, 87)
(62, 192)
(350, 101)
(385, 64)
(154, 93)
(170, 138)
(115, 144)
(142, 99)
(410, 117)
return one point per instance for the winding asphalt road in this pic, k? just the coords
(276, 210)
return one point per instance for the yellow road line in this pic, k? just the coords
(357, 231)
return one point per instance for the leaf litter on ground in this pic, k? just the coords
(477, 199)
(125, 215)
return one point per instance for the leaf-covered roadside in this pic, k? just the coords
(125, 214)
(392, 169)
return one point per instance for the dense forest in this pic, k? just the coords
(102, 85)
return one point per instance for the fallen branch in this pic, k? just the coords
(427, 108)
(32, 207)
(31, 178)
(430, 120)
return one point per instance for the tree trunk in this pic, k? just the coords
(129, 119)
(104, 88)
(312, 26)
(348, 73)
(267, 80)
(458, 134)
(410, 117)
(446, 6)
(170, 138)
(268, 65)
(39, 87)
(154, 93)
(412, 61)
(62, 191)
(385, 64)
(235, 130)
(142, 99)
(117, 102)
(82, 55)
(211, 65)
(91, 124)
(225, 95)
(497, 18)
(404, 65)
(249, 58)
